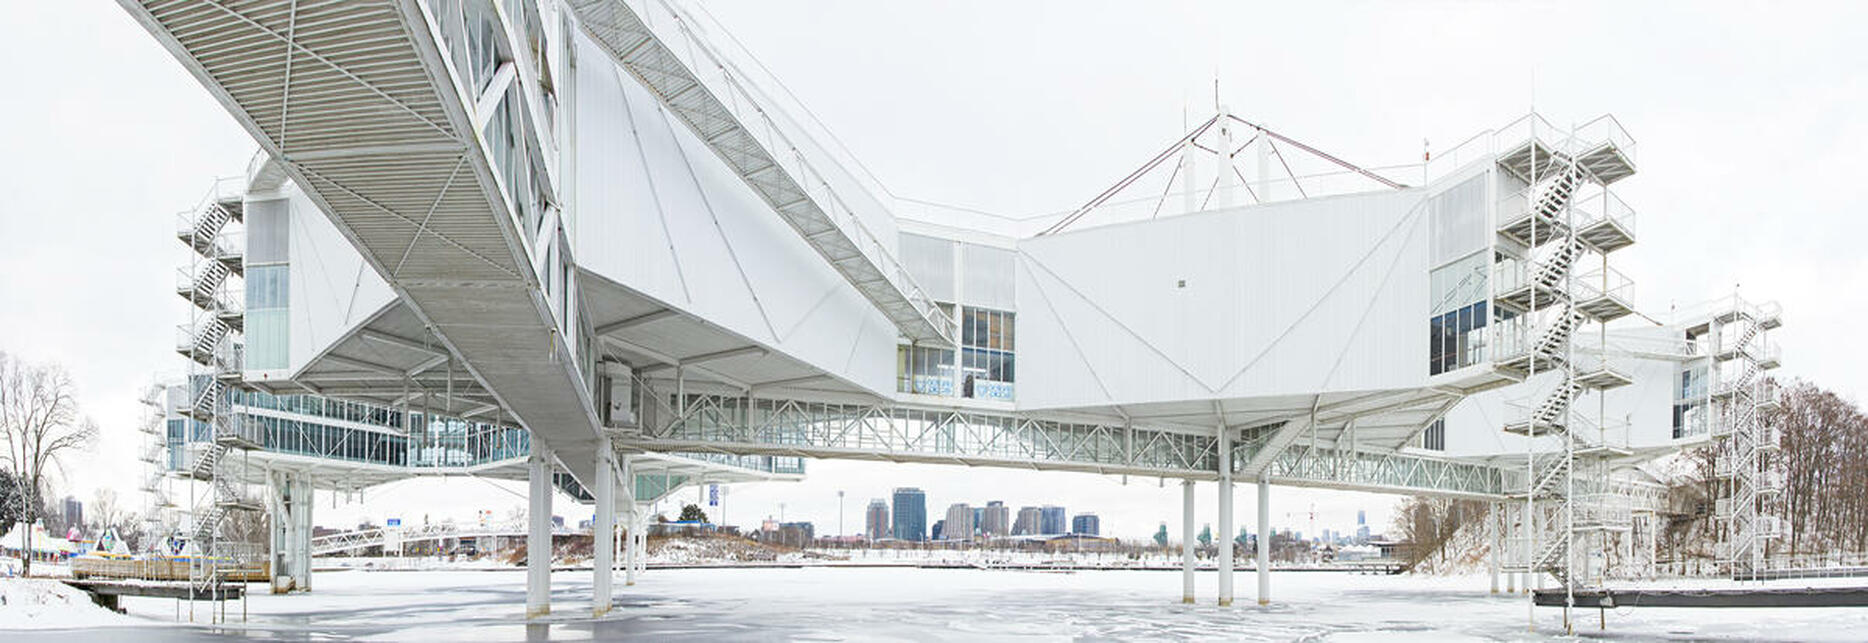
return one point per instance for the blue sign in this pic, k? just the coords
(713, 495)
(393, 522)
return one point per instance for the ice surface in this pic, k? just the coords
(908, 604)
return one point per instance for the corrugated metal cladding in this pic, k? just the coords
(1288, 298)
(1458, 219)
(661, 214)
(987, 279)
(930, 262)
(266, 231)
(954, 271)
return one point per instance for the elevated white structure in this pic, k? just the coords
(588, 219)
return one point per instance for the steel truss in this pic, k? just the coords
(906, 433)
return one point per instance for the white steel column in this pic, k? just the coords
(603, 568)
(301, 519)
(1225, 541)
(280, 535)
(538, 532)
(1186, 541)
(1493, 526)
(635, 545)
(1264, 541)
(629, 546)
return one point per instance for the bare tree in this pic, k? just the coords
(39, 423)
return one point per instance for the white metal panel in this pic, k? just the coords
(987, 277)
(930, 261)
(661, 214)
(1296, 297)
(332, 289)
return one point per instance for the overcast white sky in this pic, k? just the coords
(1748, 118)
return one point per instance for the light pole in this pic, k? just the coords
(839, 513)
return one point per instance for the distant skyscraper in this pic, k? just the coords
(979, 520)
(997, 520)
(1086, 525)
(1362, 518)
(74, 513)
(940, 530)
(959, 522)
(1028, 519)
(876, 520)
(911, 514)
(1051, 520)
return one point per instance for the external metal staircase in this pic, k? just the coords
(1748, 471)
(1543, 305)
(211, 342)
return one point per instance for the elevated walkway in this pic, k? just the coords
(424, 147)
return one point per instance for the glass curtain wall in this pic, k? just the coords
(1460, 266)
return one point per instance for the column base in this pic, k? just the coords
(1263, 601)
(598, 612)
(1225, 602)
(536, 612)
(1187, 599)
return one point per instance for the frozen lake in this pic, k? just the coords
(933, 605)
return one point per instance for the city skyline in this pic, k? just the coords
(817, 502)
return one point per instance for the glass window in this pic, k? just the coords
(1435, 436)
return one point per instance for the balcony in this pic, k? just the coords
(1603, 221)
(1772, 527)
(1597, 373)
(1516, 288)
(1604, 294)
(1533, 147)
(1521, 221)
(1772, 482)
(1770, 396)
(1604, 149)
(1768, 355)
(1604, 512)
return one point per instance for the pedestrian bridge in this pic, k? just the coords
(390, 537)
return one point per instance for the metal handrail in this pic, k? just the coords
(1604, 128)
(1605, 282)
(1601, 204)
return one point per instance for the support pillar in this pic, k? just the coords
(1511, 582)
(1264, 541)
(634, 553)
(301, 532)
(277, 534)
(1186, 541)
(1494, 527)
(603, 567)
(538, 532)
(1225, 540)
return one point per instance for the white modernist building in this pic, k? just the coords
(586, 218)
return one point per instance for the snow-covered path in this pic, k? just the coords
(932, 605)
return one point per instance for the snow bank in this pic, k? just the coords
(44, 604)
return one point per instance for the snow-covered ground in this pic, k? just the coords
(935, 604)
(42, 604)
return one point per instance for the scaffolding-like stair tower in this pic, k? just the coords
(1564, 508)
(211, 342)
(1745, 435)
